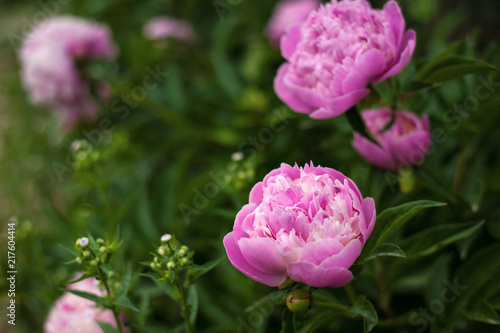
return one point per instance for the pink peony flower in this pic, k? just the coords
(308, 224)
(50, 74)
(163, 27)
(74, 314)
(404, 144)
(337, 52)
(286, 14)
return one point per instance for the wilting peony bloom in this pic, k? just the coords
(286, 14)
(308, 224)
(75, 314)
(50, 73)
(404, 144)
(337, 52)
(164, 27)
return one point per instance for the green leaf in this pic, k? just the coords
(107, 327)
(364, 308)
(192, 301)
(384, 250)
(453, 67)
(358, 125)
(167, 288)
(144, 217)
(125, 302)
(318, 320)
(81, 278)
(392, 219)
(89, 296)
(433, 239)
(288, 322)
(484, 313)
(197, 271)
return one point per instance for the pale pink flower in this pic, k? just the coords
(163, 27)
(341, 48)
(287, 14)
(50, 72)
(403, 144)
(308, 224)
(75, 314)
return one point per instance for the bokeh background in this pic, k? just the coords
(151, 172)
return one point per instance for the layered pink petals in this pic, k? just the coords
(49, 58)
(288, 14)
(341, 48)
(163, 27)
(308, 224)
(404, 144)
(75, 314)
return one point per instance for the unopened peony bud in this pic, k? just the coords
(299, 301)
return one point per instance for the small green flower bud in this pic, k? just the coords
(86, 254)
(103, 249)
(156, 260)
(79, 260)
(117, 285)
(299, 300)
(182, 253)
(184, 261)
(170, 265)
(153, 265)
(166, 238)
(100, 241)
(83, 242)
(161, 251)
(111, 274)
(94, 263)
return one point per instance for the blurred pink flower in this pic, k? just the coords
(288, 13)
(163, 27)
(309, 224)
(50, 73)
(404, 144)
(337, 52)
(75, 314)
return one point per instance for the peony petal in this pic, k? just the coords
(319, 277)
(340, 105)
(256, 194)
(318, 251)
(373, 153)
(396, 21)
(240, 263)
(263, 254)
(370, 215)
(240, 217)
(288, 94)
(346, 257)
(371, 65)
(289, 41)
(407, 48)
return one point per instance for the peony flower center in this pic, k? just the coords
(336, 36)
(295, 212)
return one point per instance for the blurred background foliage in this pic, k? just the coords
(154, 170)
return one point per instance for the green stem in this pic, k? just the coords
(331, 305)
(185, 310)
(384, 293)
(350, 293)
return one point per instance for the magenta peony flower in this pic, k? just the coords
(75, 314)
(50, 74)
(404, 144)
(337, 52)
(163, 27)
(309, 224)
(286, 14)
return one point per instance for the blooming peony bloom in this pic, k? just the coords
(337, 52)
(404, 144)
(163, 27)
(308, 224)
(75, 314)
(49, 58)
(286, 14)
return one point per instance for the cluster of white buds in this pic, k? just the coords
(171, 258)
(92, 254)
(241, 170)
